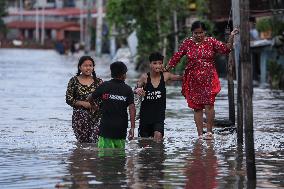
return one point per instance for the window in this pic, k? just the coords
(69, 3)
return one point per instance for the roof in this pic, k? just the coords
(70, 11)
(220, 10)
(252, 14)
(73, 26)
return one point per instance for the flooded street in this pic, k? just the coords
(38, 148)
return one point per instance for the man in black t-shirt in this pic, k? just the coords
(116, 97)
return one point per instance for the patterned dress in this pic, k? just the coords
(200, 81)
(84, 122)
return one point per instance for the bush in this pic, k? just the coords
(264, 25)
(275, 74)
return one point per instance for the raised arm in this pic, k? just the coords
(172, 77)
(231, 38)
(178, 55)
(224, 48)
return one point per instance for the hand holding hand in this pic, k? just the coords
(94, 107)
(84, 104)
(140, 91)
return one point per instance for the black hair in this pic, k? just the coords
(81, 61)
(198, 24)
(156, 56)
(118, 69)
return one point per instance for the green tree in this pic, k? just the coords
(3, 13)
(152, 20)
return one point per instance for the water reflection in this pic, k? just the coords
(150, 163)
(235, 177)
(141, 167)
(240, 176)
(36, 132)
(201, 169)
(90, 167)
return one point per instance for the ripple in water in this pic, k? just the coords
(38, 148)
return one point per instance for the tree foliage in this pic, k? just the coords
(154, 23)
(152, 20)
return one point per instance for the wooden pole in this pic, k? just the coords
(231, 97)
(230, 79)
(247, 89)
(239, 166)
(175, 29)
(237, 45)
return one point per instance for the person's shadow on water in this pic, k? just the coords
(201, 168)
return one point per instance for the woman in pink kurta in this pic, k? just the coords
(200, 82)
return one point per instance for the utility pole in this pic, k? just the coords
(88, 27)
(21, 10)
(112, 41)
(99, 27)
(37, 23)
(42, 24)
(175, 29)
(247, 89)
(237, 44)
(82, 23)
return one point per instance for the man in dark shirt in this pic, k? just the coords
(116, 97)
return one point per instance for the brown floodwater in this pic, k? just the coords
(38, 148)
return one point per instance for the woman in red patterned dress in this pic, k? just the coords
(200, 82)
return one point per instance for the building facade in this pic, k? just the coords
(49, 20)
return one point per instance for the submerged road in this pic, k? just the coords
(38, 148)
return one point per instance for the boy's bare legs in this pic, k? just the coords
(158, 136)
(198, 118)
